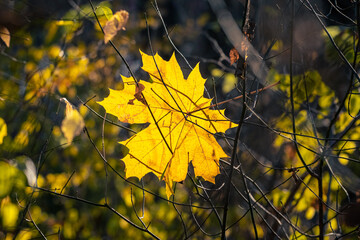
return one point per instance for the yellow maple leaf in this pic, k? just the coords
(181, 126)
(116, 23)
(73, 122)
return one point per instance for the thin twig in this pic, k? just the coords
(62, 189)
(103, 153)
(103, 206)
(36, 226)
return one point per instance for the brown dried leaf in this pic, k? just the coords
(116, 23)
(139, 88)
(234, 56)
(138, 94)
(5, 35)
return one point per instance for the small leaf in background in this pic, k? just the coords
(104, 14)
(310, 213)
(8, 177)
(73, 122)
(116, 23)
(27, 167)
(3, 130)
(104, 11)
(9, 213)
(5, 35)
(229, 83)
(234, 56)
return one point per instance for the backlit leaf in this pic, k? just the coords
(5, 35)
(116, 23)
(181, 124)
(104, 10)
(73, 122)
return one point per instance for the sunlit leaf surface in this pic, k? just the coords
(181, 127)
